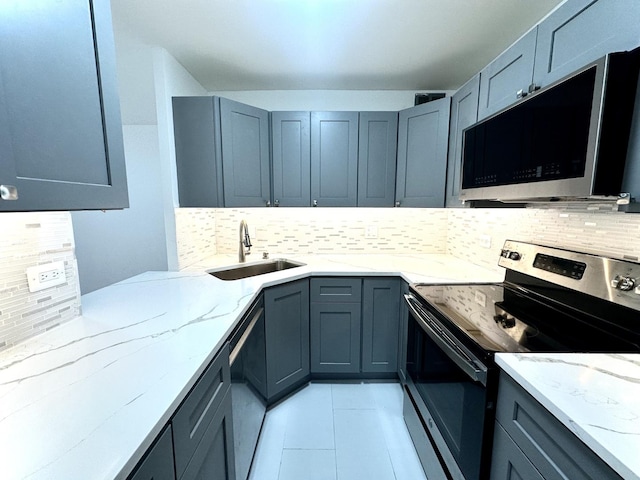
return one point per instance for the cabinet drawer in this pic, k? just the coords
(194, 415)
(508, 462)
(336, 290)
(555, 451)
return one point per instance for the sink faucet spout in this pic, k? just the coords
(245, 241)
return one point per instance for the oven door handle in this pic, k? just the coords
(463, 360)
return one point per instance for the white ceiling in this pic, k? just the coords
(330, 44)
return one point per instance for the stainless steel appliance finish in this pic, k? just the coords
(552, 300)
(567, 141)
(248, 387)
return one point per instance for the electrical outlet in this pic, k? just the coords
(371, 231)
(46, 276)
(484, 241)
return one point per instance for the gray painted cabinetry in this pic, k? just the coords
(334, 159)
(354, 325)
(286, 310)
(423, 133)
(464, 113)
(377, 148)
(60, 131)
(531, 443)
(198, 442)
(291, 150)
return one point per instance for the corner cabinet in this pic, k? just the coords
(531, 443)
(334, 159)
(464, 113)
(286, 311)
(60, 127)
(377, 148)
(423, 136)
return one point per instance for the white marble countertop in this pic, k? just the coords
(596, 396)
(86, 399)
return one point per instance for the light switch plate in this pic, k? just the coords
(46, 276)
(371, 231)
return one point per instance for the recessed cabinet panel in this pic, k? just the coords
(291, 146)
(581, 31)
(511, 72)
(464, 113)
(158, 462)
(61, 132)
(335, 338)
(245, 154)
(334, 159)
(422, 154)
(380, 324)
(377, 147)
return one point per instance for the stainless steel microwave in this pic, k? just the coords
(566, 141)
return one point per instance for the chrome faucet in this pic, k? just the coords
(245, 241)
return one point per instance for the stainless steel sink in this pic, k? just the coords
(237, 272)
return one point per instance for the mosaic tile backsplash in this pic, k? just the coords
(32, 239)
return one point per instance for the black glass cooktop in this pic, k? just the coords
(511, 318)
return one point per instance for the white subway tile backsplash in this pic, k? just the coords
(32, 239)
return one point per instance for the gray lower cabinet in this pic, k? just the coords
(524, 428)
(286, 309)
(354, 325)
(403, 333)
(380, 324)
(196, 129)
(508, 77)
(580, 31)
(158, 461)
(377, 148)
(464, 113)
(334, 159)
(198, 442)
(291, 163)
(245, 154)
(423, 136)
(60, 127)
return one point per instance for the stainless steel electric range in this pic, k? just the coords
(552, 300)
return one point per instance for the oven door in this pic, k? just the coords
(448, 386)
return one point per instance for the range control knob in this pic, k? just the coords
(515, 256)
(623, 283)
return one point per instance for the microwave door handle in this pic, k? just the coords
(462, 361)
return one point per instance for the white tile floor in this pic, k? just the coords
(337, 431)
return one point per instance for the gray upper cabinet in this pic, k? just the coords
(334, 159)
(60, 126)
(423, 133)
(580, 31)
(464, 113)
(245, 154)
(377, 148)
(196, 126)
(291, 147)
(508, 77)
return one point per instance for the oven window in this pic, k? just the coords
(454, 400)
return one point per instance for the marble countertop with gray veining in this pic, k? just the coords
(86, 399)
(596, 396)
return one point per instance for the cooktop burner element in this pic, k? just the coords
(552, 300)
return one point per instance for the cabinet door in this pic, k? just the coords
(158, 461)
(335, 338)
(380, 324)
(245, 154)
(291, 147)
(214, 458)
(60, 127)
(377, 146)
(423, 133)
(287, 336)
(508, 462)
(334, 159)
(464, 113)
(512, 71)
(580, 31)
(196, 126)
